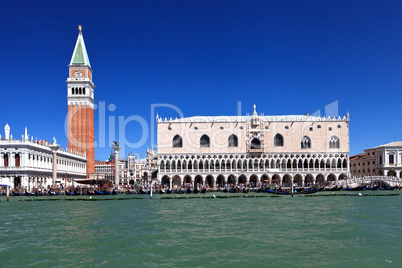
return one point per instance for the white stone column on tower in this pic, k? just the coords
(116, 149)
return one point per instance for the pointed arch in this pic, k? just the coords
(233, 141)
(305, 143)
(177, 141)
(278, 140)
(334, 142)
(255, 144)
(204, 141)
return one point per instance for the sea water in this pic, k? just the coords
(233, 232)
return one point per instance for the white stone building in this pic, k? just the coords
(130, 170)
(384, 160)
(241, 149)
(26, 163)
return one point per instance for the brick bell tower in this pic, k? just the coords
(80, 96)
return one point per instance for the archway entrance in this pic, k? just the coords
(391, 173)
(287, 179)
(165, 180)
(198, 180)
(242, 179)
(220, 180)
(342, 177)
(187, 179)
(298, 180)
(320, 180)
(210, 181)
(331, 178)
(17, 182)
(309, 179)
(176, 180)
(253, 180)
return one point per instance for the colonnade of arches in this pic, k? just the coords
(254, 179)
(283, 163)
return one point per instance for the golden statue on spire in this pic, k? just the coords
(80, 28)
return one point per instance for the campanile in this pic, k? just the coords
(80, 96)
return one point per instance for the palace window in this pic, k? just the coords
(204, 141)
(334, 142)
(17, 160)
(177, 142)
(391, 159)
(255, 144)
(305, 143)
(6, 160)
(233, 141)
(278, 140)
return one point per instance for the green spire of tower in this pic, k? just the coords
(80, 55)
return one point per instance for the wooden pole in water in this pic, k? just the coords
(151, 191)
(8, 193)
(291, 188)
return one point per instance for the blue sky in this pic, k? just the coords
(288, 57)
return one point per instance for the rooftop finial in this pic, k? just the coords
(80, 28)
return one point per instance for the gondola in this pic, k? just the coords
(169, 191)
(98, 192)
(188, 190)
(195, 191)
(203, 190)
(372, 188)
(69, 192)
(162, 191)
(225, 190)
(335, 188)
(289, 192)
(107, 192)
(19, 193)
(90, 192)
(114, 192)
(245, 190)
(358, 188)
(233, 190)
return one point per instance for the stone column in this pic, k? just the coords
(55, 147)
(116, 149)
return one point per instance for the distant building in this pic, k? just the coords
(257, 148)
(130, 169)
(26, 163)
(384, 160)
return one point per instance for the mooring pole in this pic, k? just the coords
(151, 191)
(8, 193)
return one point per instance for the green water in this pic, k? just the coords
(236, 232)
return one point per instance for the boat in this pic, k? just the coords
(19, 193)
(69, 192)
(289, 192)
(115, 192)
(162, 191)
(90, 192)
(225, 190)
(98, 192)
(245, 190)
(203, 190)
(358, 188)
(188, 190)
(195, 191)
(107, 192)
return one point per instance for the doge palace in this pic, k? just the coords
(216, 150)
